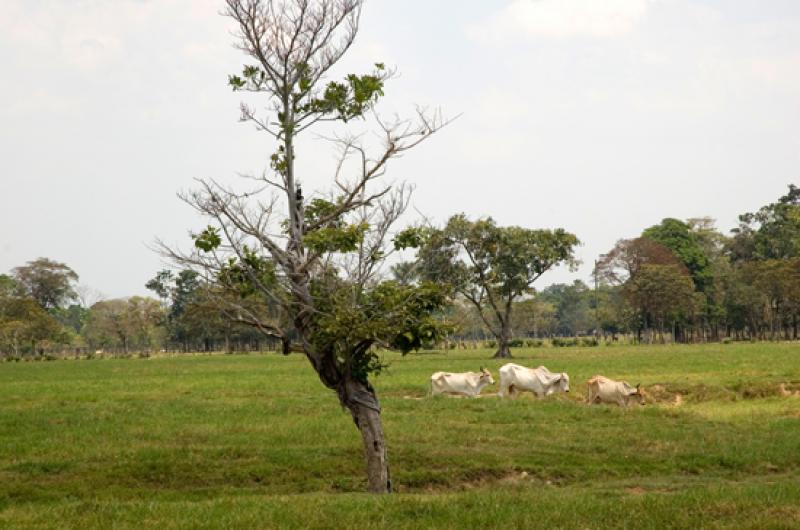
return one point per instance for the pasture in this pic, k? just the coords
(230, 441)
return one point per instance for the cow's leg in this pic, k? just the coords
(503, 390)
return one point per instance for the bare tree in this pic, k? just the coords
(317, 260)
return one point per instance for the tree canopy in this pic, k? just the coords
(489, 265)
(684, 244)
(772, 232)
(50, 283)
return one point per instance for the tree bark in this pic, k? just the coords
(503, 350)
(361, 401)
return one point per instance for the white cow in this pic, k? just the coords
(465, 384)
(541, 381)
(604, 390)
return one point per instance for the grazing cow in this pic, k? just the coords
(604, 390)
(464, 384)
(541, 381)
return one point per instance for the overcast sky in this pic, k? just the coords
(599, 116)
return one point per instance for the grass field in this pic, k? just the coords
(256, 442)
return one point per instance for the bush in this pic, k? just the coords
(534, 343)
(560, 342)
(589, 341)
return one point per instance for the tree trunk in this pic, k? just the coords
(369, 424)
(503, 350)
(361, 401)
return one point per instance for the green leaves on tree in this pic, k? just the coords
(352, 322)
(278, 161)
(345, 100)
(207, 240)
(413, 237)
(244, 275)
(253, 78)
(345, 238)
(318, 209)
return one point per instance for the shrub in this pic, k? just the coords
(560, 342)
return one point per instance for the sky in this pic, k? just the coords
(598, 116)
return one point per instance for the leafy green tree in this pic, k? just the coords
(162, 285)
(684, 243)
(8, 287)
(177, 293)
(773, 232)
(662, 295)
(72, 317)
(107, 327)
(613, 314)
(24, 325)
(573, 307)
(777, 281)
(125, 324)
(492, 266)
(318, 257)
(638, 271)
(713, 244)
(50, 283)
(534, 317)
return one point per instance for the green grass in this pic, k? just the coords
(256, 442)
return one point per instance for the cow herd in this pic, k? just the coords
(515, 379)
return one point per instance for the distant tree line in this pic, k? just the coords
(43, 315)
(681, 281)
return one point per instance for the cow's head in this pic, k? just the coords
(636, 394)
(486, 376)
(563, 382)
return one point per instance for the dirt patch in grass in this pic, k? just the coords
(660, 394)
(676, 394)
(468, 479)
(785, 514)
